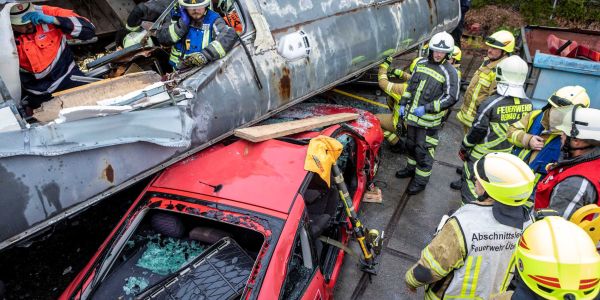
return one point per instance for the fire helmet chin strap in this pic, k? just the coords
(567, 149)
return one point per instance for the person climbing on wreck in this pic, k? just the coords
(45, 60)
(197, 35)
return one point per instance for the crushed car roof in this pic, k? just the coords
(266, 174)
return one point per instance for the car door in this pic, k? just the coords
(303, 277)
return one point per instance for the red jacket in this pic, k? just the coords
(44, 57)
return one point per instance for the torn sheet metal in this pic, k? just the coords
(224, 96)
(168, 127)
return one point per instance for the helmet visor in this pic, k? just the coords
(490, 41)
(560, 101)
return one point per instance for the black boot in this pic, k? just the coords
(456, 185)
(459, 170)
(414, 188)
(405, 173)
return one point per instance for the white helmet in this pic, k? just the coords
(442, 42)
(576, 121)
(194, 3)
(511, 74)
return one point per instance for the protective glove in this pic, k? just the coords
(387, 62)
(463, 152)
(184, 17)
(37, 18)
(395, 73)
(419, 111)
(402, 111)
(195, 60)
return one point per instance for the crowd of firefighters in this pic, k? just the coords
(196, 34)
(516, 159)
(526, 173)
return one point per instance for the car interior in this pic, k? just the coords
(205, 257)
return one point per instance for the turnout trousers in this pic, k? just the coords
(467, 191)
(420, 147)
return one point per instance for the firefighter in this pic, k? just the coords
(469, 256)
(431, 90)
(534, 142)
(45, 60)
(555, 259)
(197, 34)
(389, 122)
(483, 83)
(494, 115)
(144, 11)
(226, 9)
(574, 181)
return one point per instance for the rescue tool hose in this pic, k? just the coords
(258, 83)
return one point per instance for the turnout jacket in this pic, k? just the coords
(394, 90)
(489, 130)
(469, 256)
(434, 86)
(482, 85)
(45, 59)
(210, 36)
(570, 184)
(520, 133)
(146, 11)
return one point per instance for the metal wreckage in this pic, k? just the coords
(93, 141)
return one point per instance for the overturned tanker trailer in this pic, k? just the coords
(139, 125)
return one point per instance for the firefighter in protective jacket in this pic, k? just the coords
(469, 255)
(574, 181)
(432, 89)
(197, 34)
(45, 60)
(494, 115)
(534, 142)
(555, 259)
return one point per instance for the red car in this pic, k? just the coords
(239, 220)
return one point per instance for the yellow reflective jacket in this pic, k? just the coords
(394, 90)
(482, 85)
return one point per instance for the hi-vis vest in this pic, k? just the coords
(195, 40)
(556, 175)
(489, 246)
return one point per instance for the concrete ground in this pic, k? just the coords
(409, 221)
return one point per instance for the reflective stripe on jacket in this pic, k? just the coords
(44, 56)
(489, 247)
(195, 40)
(394, 90)
(489, 131)
(434, 86)
(482, 85)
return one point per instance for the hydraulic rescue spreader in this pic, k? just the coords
(323, 152)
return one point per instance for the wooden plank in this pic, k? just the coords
(262, 133)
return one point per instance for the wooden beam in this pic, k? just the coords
(265, 132)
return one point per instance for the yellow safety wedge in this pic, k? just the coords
(592, 227)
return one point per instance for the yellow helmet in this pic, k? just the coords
(556, 258)
(457, 54)
(570, 95)
(503, 40)
(194, 3)
(505, 178)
